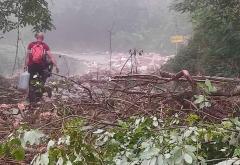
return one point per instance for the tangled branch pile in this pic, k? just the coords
(161, 94)
(103, 101)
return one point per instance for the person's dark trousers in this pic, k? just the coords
(38, 69)
(43, 72)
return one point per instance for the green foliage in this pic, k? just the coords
(15, 146)
(187, 58)
(213, 143)
(208, 87)
(237, 152)
(144, 141)
(33, 13)
(192, 119)
(72, 148)
(213, 48)
(203, 99)
(136, 141)
(140, 142)
(12, 149)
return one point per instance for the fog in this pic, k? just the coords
(84, 25)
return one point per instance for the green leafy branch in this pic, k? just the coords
(139, 140)
(203, 100)
(15, 13)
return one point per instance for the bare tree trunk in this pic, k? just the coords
(17, 47)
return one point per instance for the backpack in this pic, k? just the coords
(37, 53)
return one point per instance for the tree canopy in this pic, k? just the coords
(214, 46)
(35, 13)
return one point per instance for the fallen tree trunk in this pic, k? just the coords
(166, 76)
(183, 75)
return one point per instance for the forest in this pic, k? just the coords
(149, 101)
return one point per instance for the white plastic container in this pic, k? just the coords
(23, 82)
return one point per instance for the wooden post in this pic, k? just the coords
(110, 47)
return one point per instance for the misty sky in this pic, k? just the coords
(84, 24)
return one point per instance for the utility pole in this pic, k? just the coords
(110, 50)
(176, 32)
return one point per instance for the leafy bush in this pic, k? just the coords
(12, 149)
(137, 141)
(213, 49)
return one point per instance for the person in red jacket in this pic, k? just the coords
(38, 58)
